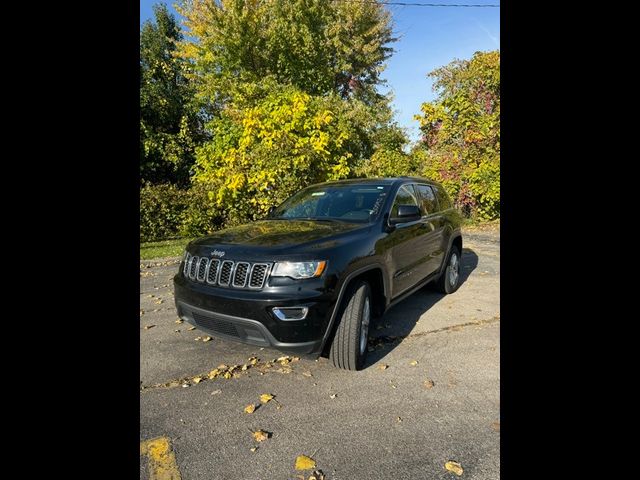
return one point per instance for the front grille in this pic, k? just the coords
(212, 275)
(187, 259)
(216, 324)
(226, 273)
(192, 267)
(202, 269)
(241, 274)
(258, 275)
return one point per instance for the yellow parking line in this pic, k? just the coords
(162, 460)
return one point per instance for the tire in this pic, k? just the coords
(448, 281)
(347, 349)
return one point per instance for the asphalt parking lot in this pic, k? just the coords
(437, 400)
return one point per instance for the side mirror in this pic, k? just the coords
(406, 213)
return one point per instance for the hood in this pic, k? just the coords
(279, 235)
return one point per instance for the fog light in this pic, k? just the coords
(290, 313)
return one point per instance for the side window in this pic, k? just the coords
(443, 198)
(428, 202)
(406, 196)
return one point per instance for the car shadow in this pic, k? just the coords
(398, 322)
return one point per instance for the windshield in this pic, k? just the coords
(348, 203)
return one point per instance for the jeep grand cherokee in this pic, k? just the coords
(310, 276)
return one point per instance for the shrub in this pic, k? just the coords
(167, 212)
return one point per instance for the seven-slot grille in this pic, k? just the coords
(225, 273)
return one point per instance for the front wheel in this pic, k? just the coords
(449, 280)
(349, 347)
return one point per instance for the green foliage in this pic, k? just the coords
(318, 46)
(388, 163)
(461, 133)
(167, 211)
(260, 155)
(168, 124)
(389, 158)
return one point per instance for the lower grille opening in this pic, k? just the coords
(216, 325)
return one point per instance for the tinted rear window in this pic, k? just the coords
(443, 198)
(428, 202)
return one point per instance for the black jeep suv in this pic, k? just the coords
(309, 277)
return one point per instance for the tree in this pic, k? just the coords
(294, 87)
(259, 156)
(318, 46)
(389, 158)
(168, 123)
(461, 133)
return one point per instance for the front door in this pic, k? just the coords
(405, 245)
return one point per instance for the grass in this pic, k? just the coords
(472, 224)
(164, 248)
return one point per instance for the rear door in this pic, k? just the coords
(434, 224)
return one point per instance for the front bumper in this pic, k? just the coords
(246, 316)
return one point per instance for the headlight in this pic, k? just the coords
(299, 269)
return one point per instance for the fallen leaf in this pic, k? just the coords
(244, 367)
(177, 331)
(179, 320)
(261, 435)
(383, 367)
(413, 363)
(141, 312)
(147, 327)
(250, 408)
(428, 384)
(265, 397)
(206, 339)
(454, 467)
(227, 375)
(253, 449)
(334, 395)
(192, 328)
(317, 475)
(307, 374)
(197, 380)
(197, 338)
(399, 419)
(305, 463)
(496, 426)
(253, 360)
(216, 392)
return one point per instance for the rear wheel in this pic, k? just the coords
(449, 280)
(349, 347)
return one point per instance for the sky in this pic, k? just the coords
(428, 38)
